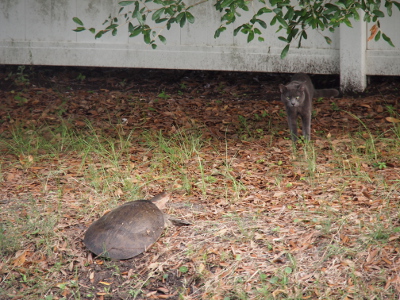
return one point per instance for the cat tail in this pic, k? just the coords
(327, 93)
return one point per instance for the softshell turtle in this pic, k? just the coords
(129, 229)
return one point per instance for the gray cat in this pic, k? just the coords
(297, 96)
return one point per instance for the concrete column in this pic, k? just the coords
(353, 43)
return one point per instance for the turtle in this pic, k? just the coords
(129, 229)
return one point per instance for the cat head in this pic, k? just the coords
(292, 94)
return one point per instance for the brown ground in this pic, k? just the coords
(233, 241)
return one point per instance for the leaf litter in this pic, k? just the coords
(269, 221)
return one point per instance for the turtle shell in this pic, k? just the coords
(126, 231)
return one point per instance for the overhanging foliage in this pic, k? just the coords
(294, 18)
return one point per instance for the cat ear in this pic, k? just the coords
(301, 87)
(282, 88)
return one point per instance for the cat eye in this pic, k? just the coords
(288, 98)
(297, 98)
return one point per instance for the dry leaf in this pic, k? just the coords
(201, 268)
(119, 192)
(374, 30)
(366, 194)
(20, 259)
(279, 194)
(153, 266)
(392, 120)
(91, 277)
(163, 290)
(371, 255)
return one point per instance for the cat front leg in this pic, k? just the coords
(292, 122)
(306, 126)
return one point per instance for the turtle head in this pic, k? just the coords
(161, 199)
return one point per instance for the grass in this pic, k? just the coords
(316, 224)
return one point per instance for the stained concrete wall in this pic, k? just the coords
(39, 32)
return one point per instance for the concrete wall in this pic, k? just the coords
(40, 32)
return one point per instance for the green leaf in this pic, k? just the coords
(290, 13)
(162, 39)
(283, 39)
(179, 17)
(250, 36)
(131, 27)
(182, 22)
(312, 22)
(356, 15)
(292, 34)
(114, 32)
(341, 5)
(388, 6)
(161, 20)
(229, 17)
(331, 7)
(138, 15)
(136, 10)
(288, 270)
(92, 30)
(183, 269)
(219, 31)
(189, 17)
(154, 46)
(99, 34)
(262, 23)
(285, 51)
(140, 19)
(125, 3)
(136, 31)
(389, 10)
(321, 24)
(77, 21)
(397, 4)
(282, 21)
(157, 14)
(347, 22)
(378, 13)
(112, 26)
(367, 18)
(245, 30)
(225, 3)
(263, 10)
(146, 36)
(79, 29)
(274, 280)
(378, 36)
(260, 39)
(328, 40)
(244, 7)
(169, 11)
(387, 39)
(235, 32)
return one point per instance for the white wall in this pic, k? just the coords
(40, 32)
